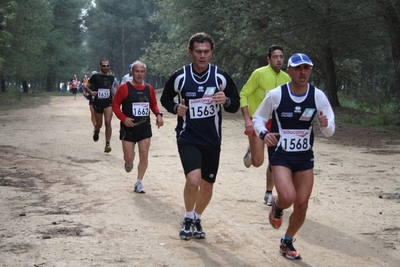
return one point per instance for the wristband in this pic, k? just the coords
(262, 135)
(228, 102)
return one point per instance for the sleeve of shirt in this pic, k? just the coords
(230, 91)
(248, 89)
(323, 105)
(153, 101)
(168, 94)
(265, 110)
(124, 79)
(121, 94)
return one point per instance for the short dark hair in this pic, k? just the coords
(103, 60)
(201, 37)
(272, 48)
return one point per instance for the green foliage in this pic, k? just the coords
(243, 29)
(7, 14)
(370, 111)
(29, 39)
(118, 30)
(353, 47)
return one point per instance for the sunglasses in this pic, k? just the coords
(105, 66)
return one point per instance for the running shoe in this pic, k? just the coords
(139, 188)
(287, 249)
(198, 230)
(247, 158)
(275, 215)
(186, 232)
(95, 136)
(128, 166)
(107, 149)
(268, 199)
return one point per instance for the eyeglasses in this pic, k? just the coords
(105, 66)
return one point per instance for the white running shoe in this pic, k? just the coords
(268, 199)
(247, 158)
(128, 166)
(139, 188)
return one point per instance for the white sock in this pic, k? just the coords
(189, 214)
(197, 216)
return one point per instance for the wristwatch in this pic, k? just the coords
(263, 134)
(160, 113)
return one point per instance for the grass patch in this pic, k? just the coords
(380, 114)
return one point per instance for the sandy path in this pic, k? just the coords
(66, 203)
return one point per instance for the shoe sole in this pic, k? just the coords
(267, 203)
(283, 253)
(247, 162)
(273, 225)
(139, 192)
(184, 237)
(270, 220)
(128, 168)
(199, 236)
(247, 159)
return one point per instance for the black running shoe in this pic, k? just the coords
(198, 230)
(186, 232)
(95, 136)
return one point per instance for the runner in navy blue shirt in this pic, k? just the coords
(293, 107)
(203, 90)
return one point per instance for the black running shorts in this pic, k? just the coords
(200, 157)
(135, 134)
(100, 105)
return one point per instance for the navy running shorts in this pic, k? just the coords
(295, 161)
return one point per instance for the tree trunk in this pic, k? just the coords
(392, 21)
(331, 86)
(25, 86)
(49, 84)
(3, 85)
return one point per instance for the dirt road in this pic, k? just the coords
(64, 202)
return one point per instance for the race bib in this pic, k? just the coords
(141, 109)
(295, 140)
(202, 108)
(103, 93)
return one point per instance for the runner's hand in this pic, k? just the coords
(182, 108)
(270, 139)
(322, 119)
(129, 122)
(219, 97)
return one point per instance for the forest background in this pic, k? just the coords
(355, 45)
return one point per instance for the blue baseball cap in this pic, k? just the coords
(130, 66)
(299, 59)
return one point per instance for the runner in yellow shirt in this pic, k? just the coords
(253, 92)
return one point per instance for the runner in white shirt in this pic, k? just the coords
(127, 77)
(293, 107)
